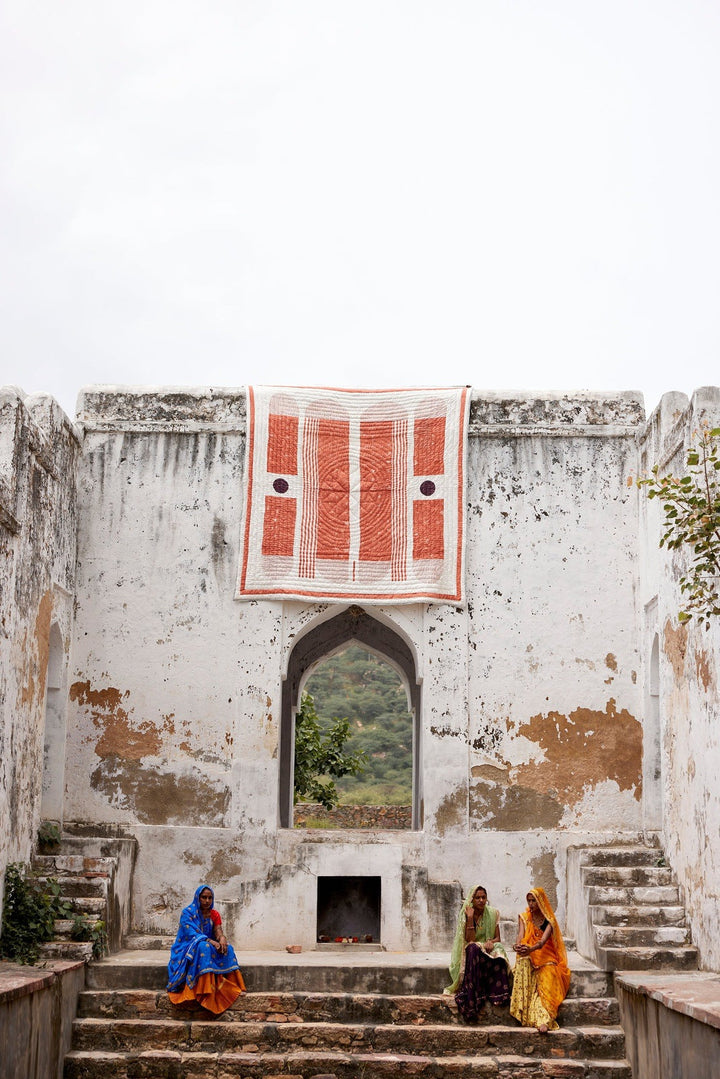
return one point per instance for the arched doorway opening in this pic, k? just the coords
(361, 687)
(327, 639)
(652, 745)
(54, 747)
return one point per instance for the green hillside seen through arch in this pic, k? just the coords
(359, 686)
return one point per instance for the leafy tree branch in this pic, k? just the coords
(691, 505)
(320, 758)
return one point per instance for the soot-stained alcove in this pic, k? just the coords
(348, 907)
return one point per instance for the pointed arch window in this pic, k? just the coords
(352, 625)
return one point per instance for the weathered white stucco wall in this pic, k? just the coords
(563, 705)
(38, 453)
(681, 670)
(531, 704)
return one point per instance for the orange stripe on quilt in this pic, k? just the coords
(429, 446)
(282, 444)
(333, 504)
(376, 491)
(279, 526)
(428, 522)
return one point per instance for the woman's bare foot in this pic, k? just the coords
(543, 1028)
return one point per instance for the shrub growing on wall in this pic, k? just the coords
(29, 912)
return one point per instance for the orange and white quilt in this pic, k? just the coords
(354, 494)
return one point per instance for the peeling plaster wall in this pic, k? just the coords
(688, 702)
(531, 702)
(556, 727)
(38, 455)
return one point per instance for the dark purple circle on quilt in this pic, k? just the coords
(427, 487)
(280, 486)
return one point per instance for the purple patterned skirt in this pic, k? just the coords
(485, 978)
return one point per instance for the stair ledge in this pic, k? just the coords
(95, 1065)
(649, 958)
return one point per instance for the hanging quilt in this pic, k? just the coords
(354, 494)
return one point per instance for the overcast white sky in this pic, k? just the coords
(503, 193)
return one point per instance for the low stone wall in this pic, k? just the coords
(671, 1023)
(37, 1008)
(385, 818)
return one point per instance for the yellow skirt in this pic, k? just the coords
(526, 1004)
(216, 992)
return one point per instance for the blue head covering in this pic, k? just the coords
(191, 955)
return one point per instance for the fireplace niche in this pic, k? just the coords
(348, 910)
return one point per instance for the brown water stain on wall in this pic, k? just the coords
(496, 802)
(119, 738)
(675, 647)
(704, 669)
(36, 654)
(581, 750)
(158, 797)
(451, 811)
(225, 864)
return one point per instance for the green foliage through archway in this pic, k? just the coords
(359, 686)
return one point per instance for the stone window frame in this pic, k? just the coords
(351, 625)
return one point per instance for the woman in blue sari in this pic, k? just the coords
(203, 968)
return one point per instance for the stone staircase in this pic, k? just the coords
(627, 911)
(94, 875)
(307, 1016)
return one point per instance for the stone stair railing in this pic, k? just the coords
(625, 908)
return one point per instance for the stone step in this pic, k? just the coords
(619, 856)
(140, 1004)
(73, 865)
(146, 971)
(95, 846)
(93, 907)
(64, 927)
(144, 942)
(169, 1064)
(633, 896)
(644, 876)
(604, 1042)
(66, 949)
(75, 886)
(649, 958)
(634, 936)
(616, 914)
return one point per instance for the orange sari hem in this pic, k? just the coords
(215, 992)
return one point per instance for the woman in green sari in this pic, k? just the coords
(478, 965)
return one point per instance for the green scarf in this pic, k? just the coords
(485, 930)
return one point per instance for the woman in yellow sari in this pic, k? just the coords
(542, 976)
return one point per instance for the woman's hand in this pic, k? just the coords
(523, 949)
(489, 945)
(222, 944)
